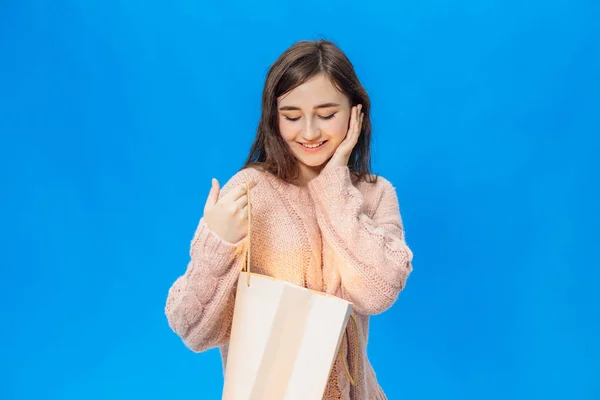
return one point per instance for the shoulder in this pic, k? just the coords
(374, 184)
(244, 176)
(247, 174)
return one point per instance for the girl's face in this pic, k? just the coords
(313, 121)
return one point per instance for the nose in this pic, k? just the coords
(311, 130)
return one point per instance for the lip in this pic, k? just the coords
(316, 149)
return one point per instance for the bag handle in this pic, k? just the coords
(345, 356)
(246, 268)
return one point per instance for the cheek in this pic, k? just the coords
(288, 132)
(336, 129)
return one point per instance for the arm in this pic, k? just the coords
(377, 260)
(200, 303)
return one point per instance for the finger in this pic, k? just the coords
(360, 126)
(351, 124)
(239, 191)
(242, 201)
(358, 119)
(244, 212)
(351, 119)
(235, 193)
(354, 126)
(361, 120)
(213, 195)
(361, 114)
(354, 132)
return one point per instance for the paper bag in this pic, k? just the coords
(284, 339)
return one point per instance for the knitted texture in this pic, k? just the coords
(334, 235)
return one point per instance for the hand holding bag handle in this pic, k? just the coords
(246, 268)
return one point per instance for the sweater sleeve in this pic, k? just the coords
(377, 260)
(199, 305)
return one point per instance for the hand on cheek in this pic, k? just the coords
(342, 153)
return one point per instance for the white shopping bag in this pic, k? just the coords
(284, 339)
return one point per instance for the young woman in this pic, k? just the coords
(315, 206)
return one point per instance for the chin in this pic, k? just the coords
(315, 165)
(314, 162)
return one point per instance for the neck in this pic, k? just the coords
(306, 174)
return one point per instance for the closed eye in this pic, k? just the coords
(327, 116)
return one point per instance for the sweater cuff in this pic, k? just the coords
(215, 252)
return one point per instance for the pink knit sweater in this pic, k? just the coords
(345, 237)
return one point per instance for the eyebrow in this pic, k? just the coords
(324, 105)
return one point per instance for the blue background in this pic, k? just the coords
(114, 117)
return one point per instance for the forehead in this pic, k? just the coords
(317, 90)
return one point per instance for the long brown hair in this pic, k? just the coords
(299, 63)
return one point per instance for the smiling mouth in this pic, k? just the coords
(313, 145)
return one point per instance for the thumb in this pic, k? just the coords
(213, 195)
